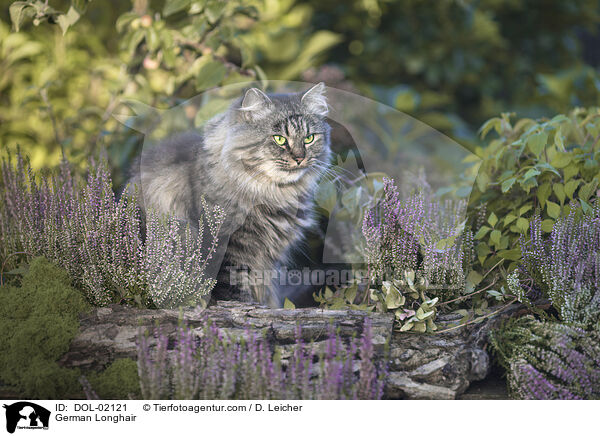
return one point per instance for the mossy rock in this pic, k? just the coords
(39, 319)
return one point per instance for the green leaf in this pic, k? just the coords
(522, 225)
(18, 12)
(420, 327)
(532, 172)
(210, 74)
(493, 123)
(547, 225)
(350, 293)
(67, 20)
(543, 193)
(559, 190)
(394, 299)
(513, 254)
(553, 209)
(495, 236)
(561, 160)
(124, 20)
(287, 304)
(570, 171)
(507, 184)
(509, 219)
(482, 232)
(545, 166)
(586, 191)
(152, 38)
(474, 277)
(173, 6)
(493, 219)
(537, 142)
(524, 209)
(571, 186)
(407, 326)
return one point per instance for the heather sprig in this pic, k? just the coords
(81, 226)
(565, 267)
(398, 231)
(549, 360)
(206, 364)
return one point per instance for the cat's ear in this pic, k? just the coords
(255, 103)
(315, 100)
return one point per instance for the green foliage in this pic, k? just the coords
(38, 320)
(413, 310)
(347, 297)
(60, 85)
(118, 381)
(532, 166)
(451, 60)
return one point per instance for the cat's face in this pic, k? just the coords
(282, 137)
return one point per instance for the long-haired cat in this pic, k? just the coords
(260, 161)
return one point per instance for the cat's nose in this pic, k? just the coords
(299, 159)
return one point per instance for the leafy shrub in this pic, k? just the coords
(565, 267)
(38, 320)
(532, 166)
(414, 247)
(81, 227)
(213, 366)
(118, 381)
(470, 60)
(549, 360)
(62, 83)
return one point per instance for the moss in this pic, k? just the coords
(38, 321)
(118, 381)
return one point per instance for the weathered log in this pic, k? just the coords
(439, 366)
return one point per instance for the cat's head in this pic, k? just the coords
(283, 137)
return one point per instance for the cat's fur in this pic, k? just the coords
(236, 163)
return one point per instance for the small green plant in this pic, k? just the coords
(534, 166)
(413, 310)
(548, 360)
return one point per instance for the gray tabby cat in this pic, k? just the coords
(261, 161)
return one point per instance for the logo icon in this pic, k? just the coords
(26, 415)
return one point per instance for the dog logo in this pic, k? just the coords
(26, 415)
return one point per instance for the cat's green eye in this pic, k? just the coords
(309, 139)
(279, 140)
